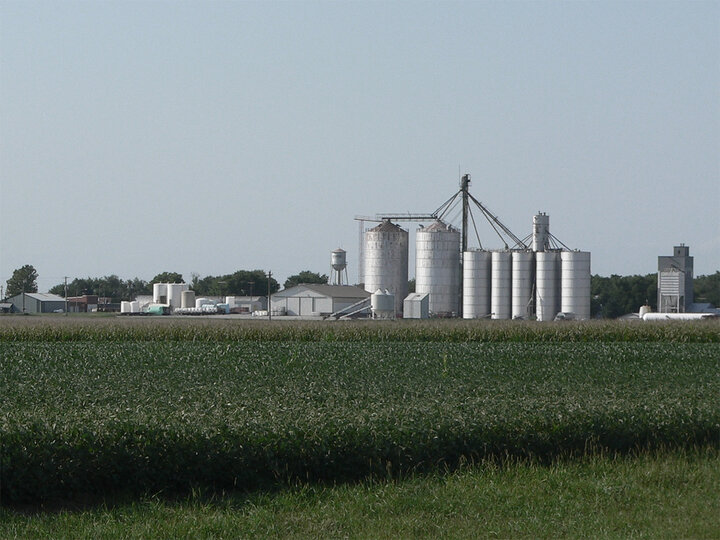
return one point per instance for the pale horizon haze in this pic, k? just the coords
(208, 137)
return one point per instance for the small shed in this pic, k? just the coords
(416, 306)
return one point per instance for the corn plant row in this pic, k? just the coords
(91, 419)
(121, 329)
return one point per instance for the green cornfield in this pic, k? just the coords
(90, 410)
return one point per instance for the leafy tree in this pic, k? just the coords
(411, 286)
(241, 283)
(167, 277)
(23, 280)
(109, 286)
(615, 296)
(306, 276)
(707, 289)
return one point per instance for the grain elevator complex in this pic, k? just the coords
(537, 277)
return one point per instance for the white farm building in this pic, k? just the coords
(311, 300)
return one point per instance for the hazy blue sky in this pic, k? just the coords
(140, 137)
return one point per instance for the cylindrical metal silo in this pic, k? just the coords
(522, 283)
(547, 285)
(476, 284)
(437, 267)
(575, 283)
(501, 285)
(386, 261)
(541, 232)
(382, 304)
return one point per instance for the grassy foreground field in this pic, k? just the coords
(670, 495)
(112, 410)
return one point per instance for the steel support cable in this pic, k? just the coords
(475, 227)
(558, 241)
(442, 209)
(499, 223)
(492, 224)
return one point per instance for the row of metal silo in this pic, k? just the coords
(511, 284)
(501, 284)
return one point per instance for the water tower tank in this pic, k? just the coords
(575, 283)
(338, 265)
(501, 285)
(338, 259)
(476, 284)
(547, 285)
(386, 261)
(437, 266)
(523, 275)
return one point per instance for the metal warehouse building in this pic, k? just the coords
(37, 302)
(307, 300)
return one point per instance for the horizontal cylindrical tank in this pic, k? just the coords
(677, 316)
(523, 275)
(200, 302)
(501, 285)
(386, 261)
(547, 285)
(187, 299)
(437, 266)
(476, 284)
(575, 283)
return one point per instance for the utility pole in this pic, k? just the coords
(269, 297)
(66, 300)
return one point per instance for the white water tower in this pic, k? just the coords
(338, 264)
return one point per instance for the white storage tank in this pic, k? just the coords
(160, 293)
(501, 285)
(382, 304)
(134, 306)
(437, 267)
(174, 294)
(386, 261)
(547, 285)
(125, 307)
(187, 299)
(575, 283)
(523, 275)
(476, 284)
